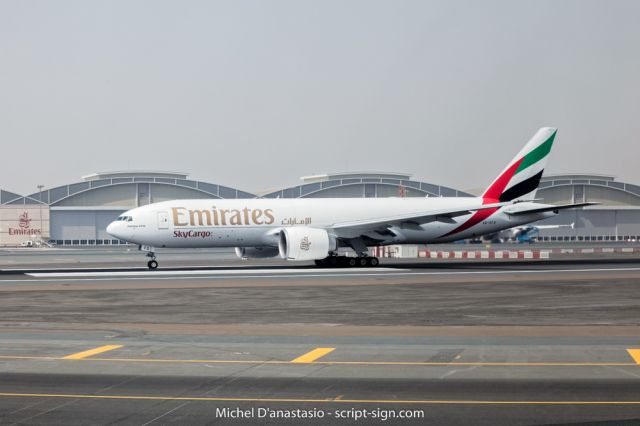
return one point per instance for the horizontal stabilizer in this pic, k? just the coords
(549, 209)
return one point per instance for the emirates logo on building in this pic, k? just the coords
(24, 226)
(24, 221)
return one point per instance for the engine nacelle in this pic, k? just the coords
(304, 243)
(256, 252)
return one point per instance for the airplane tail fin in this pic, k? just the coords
(520, 179)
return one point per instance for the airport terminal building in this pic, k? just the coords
(78, 213)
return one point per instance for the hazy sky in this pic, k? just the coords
(255, 94)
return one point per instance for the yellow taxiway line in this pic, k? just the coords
(313, 355)
(94, 351)
(315, 400)
(363, 363)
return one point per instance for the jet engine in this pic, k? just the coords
(304, 243)
(256, 252)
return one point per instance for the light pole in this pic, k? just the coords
(40, 208)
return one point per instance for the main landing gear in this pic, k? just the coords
(153, 263)
(348, 262)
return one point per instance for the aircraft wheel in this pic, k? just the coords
(362, 261)
(332, 261)
(373, 261)
(152, 264)
(352, 261)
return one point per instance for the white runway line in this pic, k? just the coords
(310, 273)
(116, 269)
(155, 273)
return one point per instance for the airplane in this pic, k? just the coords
(521, 234)
(312, 229)
(526, 233)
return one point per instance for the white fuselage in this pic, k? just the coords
(257, 222)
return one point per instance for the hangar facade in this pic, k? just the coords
(364, 184)
(615, 218)
(78, 213)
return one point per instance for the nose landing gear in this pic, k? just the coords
(153, 263)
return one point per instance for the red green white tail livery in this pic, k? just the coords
(521, 177)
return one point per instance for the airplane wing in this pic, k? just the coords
(548, 209)
(414, 219)
(569, 225)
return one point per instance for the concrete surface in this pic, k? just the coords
(554, 342)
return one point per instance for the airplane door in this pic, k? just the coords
(163, 220)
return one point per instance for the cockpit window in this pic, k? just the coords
(124, 219)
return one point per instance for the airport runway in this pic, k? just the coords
(536, 342)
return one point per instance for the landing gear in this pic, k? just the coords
(349, 262)
(153, 263)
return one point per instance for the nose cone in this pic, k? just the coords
(112, 230)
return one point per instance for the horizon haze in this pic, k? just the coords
(254, 94)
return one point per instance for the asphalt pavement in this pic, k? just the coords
(411, 342)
